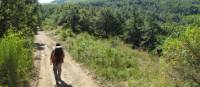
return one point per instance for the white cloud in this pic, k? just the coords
(45, 1)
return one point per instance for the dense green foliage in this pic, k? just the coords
(166, 27)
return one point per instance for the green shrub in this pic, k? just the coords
(182, 57)
(15, 59)
(64, 33)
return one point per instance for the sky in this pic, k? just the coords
(45, 1)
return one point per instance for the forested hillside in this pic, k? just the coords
(106, 34)
(18, 22)
(150, 19)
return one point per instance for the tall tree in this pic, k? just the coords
(20, 15)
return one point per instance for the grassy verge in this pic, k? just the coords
(112, 60)
(118, 63)
(106, 57)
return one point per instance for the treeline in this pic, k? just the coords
(20, 15)
(140, 22)
(18, 23)
(165, 27)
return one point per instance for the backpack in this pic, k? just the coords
(58, 55)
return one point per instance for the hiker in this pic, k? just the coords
(159, 52)
(57, 58)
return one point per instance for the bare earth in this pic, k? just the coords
(73, 74)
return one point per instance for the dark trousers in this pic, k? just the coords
(57, 71)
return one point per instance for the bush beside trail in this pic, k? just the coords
(15, 59)
(182, 58)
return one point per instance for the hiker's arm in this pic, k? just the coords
(51, 58)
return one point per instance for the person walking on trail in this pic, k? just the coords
(57, 58)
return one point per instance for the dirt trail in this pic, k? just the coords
(73, 74)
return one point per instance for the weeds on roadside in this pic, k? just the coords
(15, 59)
